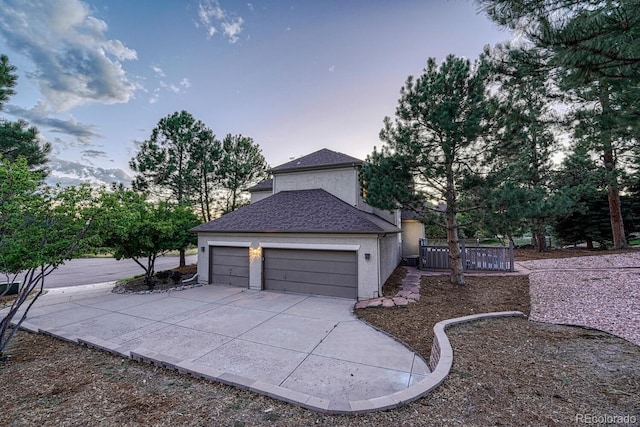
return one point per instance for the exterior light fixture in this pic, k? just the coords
(255, 253)
(202, 249)
(367, 256)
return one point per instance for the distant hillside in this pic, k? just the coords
(71, 173)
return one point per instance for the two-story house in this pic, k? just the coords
(307, 230)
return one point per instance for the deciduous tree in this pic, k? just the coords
(40, 228)
(137, 229)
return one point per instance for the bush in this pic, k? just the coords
(176, 276)
(163, 276)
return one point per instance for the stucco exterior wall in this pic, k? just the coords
(390, 256)
(369, 277)
(259, 195)
(393, 217)
(412, 232)
(342, 182)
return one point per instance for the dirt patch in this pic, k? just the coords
(394, 283)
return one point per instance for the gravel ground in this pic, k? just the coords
(601, 292)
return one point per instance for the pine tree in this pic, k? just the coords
(18, 139)
(519, 162)
(594, 49)
(432, 144)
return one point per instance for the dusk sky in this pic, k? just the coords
(96, 76)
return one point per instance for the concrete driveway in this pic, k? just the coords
(308, 350)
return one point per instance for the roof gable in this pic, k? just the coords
(301, 211)
(322, 159)
(265, 185)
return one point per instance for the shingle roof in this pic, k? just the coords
(266, 185)
(321, 159)
(301, 211)
(407, 214)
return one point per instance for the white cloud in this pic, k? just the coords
(210, 11)
(233, 29)
(159, 72)
(214, 19)
(169, 86)
(332, 68)
(166, 86)
(74, 61)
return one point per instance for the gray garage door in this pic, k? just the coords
(331, 273)
(229, 266)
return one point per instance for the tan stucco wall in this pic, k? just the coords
(370, 272)
(342, 183)
(412, 232)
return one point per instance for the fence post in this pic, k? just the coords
(464, 256)
(422, 253)
(511, 257)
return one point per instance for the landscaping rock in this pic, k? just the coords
(400, 302)
(362, 304)
(376, 302)
(387, 303)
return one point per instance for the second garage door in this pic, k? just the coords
(229, 266)
(330, 273)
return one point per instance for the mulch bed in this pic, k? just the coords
(139, 285)
(441, 300)
(506, 372)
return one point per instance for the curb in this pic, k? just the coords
(441, 358)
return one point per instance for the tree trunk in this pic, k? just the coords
(455, 255)
(539, 235)
(617, 224)
(183, 258)
(615, 211)
(589, 244)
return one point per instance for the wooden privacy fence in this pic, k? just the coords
(489, 258)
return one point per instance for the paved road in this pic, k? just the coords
(84, 271)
